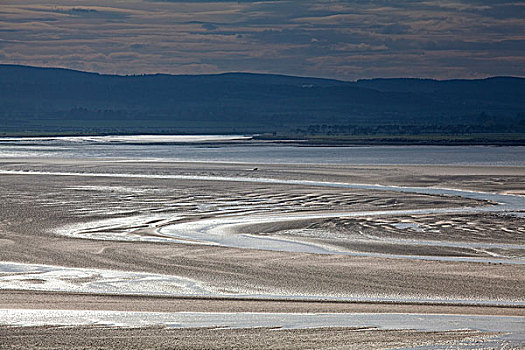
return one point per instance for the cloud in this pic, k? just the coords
(345, 39)
(210, 1)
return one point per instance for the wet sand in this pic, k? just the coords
(251, 338)
(36, 207)
(82, 301)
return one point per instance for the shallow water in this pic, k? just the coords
(136, 147)
(52, 278)
(220, 231)
(511, 327)
(81, 280)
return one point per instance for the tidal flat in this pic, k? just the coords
(393, 256)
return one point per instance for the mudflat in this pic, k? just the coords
(92, 234)
(248, 338)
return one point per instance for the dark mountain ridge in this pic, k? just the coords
(48, 100)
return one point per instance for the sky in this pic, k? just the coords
(339, 39)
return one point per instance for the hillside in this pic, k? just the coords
(51, 100)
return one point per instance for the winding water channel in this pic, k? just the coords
(222, 231)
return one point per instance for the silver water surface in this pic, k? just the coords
(195, 149)
(511, 329)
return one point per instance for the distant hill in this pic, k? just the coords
(51, 100)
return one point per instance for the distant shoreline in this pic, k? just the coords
(402, 140)
(517, 139)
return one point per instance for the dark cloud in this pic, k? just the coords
(503, 11)
(395, 28)
(32, 19)
(91, 13)
(137, 46)
(209, 26)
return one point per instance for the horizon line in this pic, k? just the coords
(255, 73)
